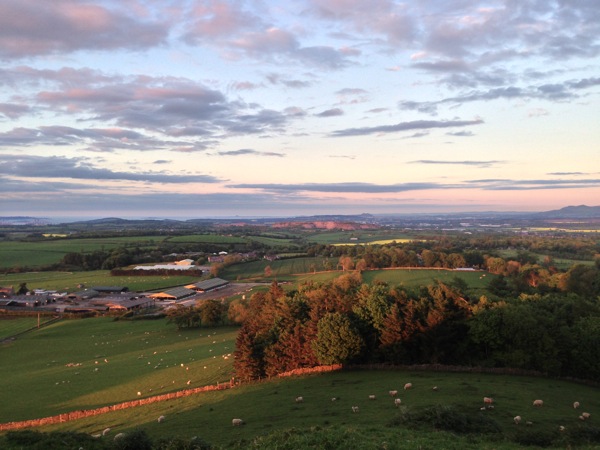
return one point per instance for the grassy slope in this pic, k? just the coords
(51, 387)
(270, 407)
(266, 407)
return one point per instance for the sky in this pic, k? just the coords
(221, 108)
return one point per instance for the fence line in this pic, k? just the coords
(75, 415)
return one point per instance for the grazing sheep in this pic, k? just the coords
(355, 409)
(538, 403)
(407, 386)
(517, 420)
(561, 428)
(528, 423)
(435, 388)
(585, 415)
(161, 419)
(397, 402)
(393, 393)
(299, 399)
(106, 431)
(488, 400)
(333, 399)
(119, 436)
(575, 405)
(237, 422)
(371, 397)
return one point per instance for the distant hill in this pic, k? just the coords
(572, 212)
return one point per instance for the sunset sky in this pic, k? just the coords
(185, 108)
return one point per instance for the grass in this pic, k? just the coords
(53, 370)
(69, 281)
(11, 325)
(270, 407)
(40, 369)
(45, 252)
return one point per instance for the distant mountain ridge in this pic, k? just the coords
(572, 212)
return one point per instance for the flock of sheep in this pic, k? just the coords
(488, 404)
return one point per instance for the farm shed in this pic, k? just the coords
(165, 267)
(173, 294)
(110, 289)
(208, 285)
(83, 295)
(124, 304)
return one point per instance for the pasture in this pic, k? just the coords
(51, 251)
(69, 281)
(11, 325)
(270, 407)
(359, 237)
(86, 363)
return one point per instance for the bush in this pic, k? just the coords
(133, 440)
(178, 443)
(35, 440)
(447, 418)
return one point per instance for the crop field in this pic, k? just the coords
(34, 254)
(358, 237)
(69, 281)
(270, 406)
(87, 363)
(281, 269)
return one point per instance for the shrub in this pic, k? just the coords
(447, 418)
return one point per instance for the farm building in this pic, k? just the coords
(185, 262)
(124, 304)
(208, 285)
(110, 289)
(165, 267)
(173, 294)
(83, 295)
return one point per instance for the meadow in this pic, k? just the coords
(51, 251)
(87, 363)
(11, 325)
(270, 407)
(69, 281)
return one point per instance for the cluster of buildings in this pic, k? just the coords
(100, 298)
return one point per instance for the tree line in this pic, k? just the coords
(347, 321)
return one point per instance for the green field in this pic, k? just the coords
(359, 237)
(87, 363)
(69, 281)
(40, 253)
(11, 325)
(269, 407)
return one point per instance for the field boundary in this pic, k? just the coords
(75, 415)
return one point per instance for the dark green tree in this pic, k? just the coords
(338, 340)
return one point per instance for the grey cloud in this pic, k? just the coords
(525, 185)
(460, 163)
(330, 113)
(344, 187)
(247, 151)
(78, 168)
(13, 110)
(406, 126)
(30, 28)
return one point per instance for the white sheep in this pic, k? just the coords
(488, 400)
(529, 423)
(355, 409)
(106, 431)
(119, 436)
(299, 399)
(517, 420)
(393, 393)
(371, 397)
(585, 415)
(407, 386)
(538, 403)
(575, 405)
(161, 419)
(435, 388)
(237, 422)
(397, 401)
(561, 428)
(333, 399)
